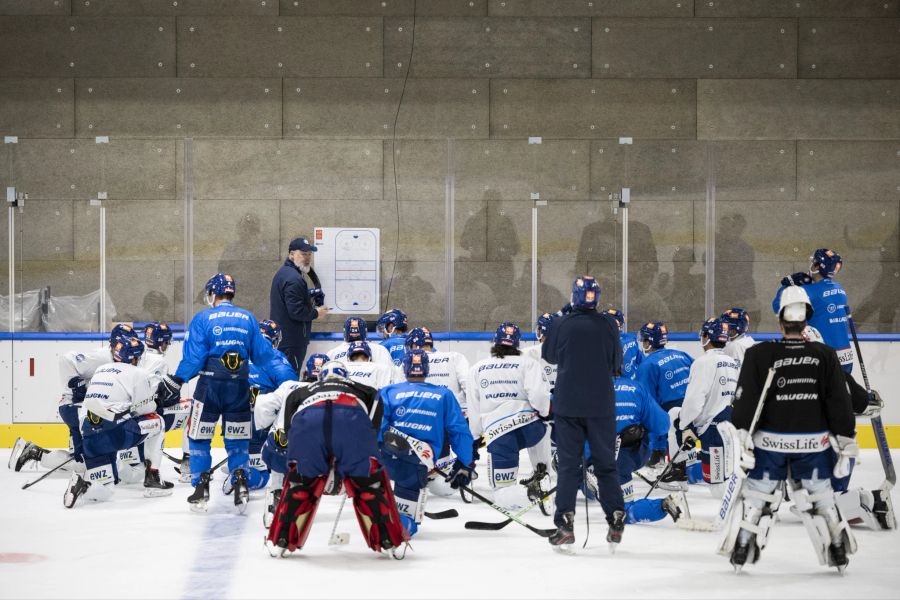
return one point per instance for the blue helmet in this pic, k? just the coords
(314, 365)
(271, 331)
(333, 369)
(396, 318)
(737, 319)
(715, 330)
(354, 329)
(121, 330)
(357, 347)
(826, 262)
(220, 284)
(585, 292)
(419, 338)
(507, 334)
(415, 363)
(619, 317)
(127, 349)
(655, 333)
(543, 324)
(156, 334)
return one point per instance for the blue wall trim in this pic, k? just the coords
(460, 336)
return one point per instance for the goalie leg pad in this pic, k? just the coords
(751, 518)
(376, 509)
(814, 499)
(856, 506)
(295, 511)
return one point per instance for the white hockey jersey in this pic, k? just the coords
(373, 374)
(118, 388)
(505, 394)
(154, 362)
(711, 388)
(451, 370)
(78, 364)
(737, 347)
(380, 354)
(534, 352)
(269, 408)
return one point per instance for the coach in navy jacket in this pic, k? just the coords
(296, 300)
(584, 345)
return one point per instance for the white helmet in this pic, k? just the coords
(333, 369)
(795, 305)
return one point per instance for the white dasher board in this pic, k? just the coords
(348, 262)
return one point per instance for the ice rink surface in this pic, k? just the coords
(133, 547)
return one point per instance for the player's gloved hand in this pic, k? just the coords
(797, 279)
(657, 459)
(477, 443)
(873, 408)
(318, 296)
(460, 474)
(78, 387)
(689, 437)
(847, 450)
(748, 458)
(169, 390)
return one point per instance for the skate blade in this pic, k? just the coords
(199, 507)
(157, 493)
(275, 551)
(267, 519)
(18, 447)
(339, 539)
(613, 547)
(565, 549)
(737, 569)
(241, 506)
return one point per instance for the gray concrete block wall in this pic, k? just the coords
(793, 108)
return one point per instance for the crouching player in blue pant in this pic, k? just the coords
(119, 412)
(217, 346)
(416, 415)
(333, 435)
(640, 425)
(268, 414)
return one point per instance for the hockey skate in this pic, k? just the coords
(24, 452)
(533, 487)
(837, 557)
(269, 514)
(200, 498)
(615, 531)
(154, 487)
(676, 479)
(676, 506)
(563, 539)
(76, 490)
(241, 491)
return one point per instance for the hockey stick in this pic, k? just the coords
(884, 449)
(488, 526)
(687, 445)
(545, 533)
(443, 514)
(44, 476)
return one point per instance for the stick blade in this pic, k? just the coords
(485, 526)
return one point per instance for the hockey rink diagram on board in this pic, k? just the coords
(348, 262)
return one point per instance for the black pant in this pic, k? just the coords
(295, 356)
(600, 433)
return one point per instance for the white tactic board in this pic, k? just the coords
(348, 262)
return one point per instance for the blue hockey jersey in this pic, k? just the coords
(271, 375)
(829, 302)
(635, 406)
(665, 374)
(631, 354)
(425, 411)
(396, 346)
(216, 331)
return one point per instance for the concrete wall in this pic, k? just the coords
(303, 115)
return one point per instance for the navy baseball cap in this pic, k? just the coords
(303, 245)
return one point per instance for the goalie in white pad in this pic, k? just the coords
(809, 394)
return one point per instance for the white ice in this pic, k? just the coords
(132, 547)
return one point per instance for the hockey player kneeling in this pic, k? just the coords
(416, 415)
(334, 431)
(804, 434)
(120, 412)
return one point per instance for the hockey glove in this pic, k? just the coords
(748, 458)
(318, 296)
(688, 436)
(873, 408)
(796, 279)
(847, 450)
(632, 436)
(169, 390)
(657, 459)
(79, 389)
(460, 475)
(477, 443)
